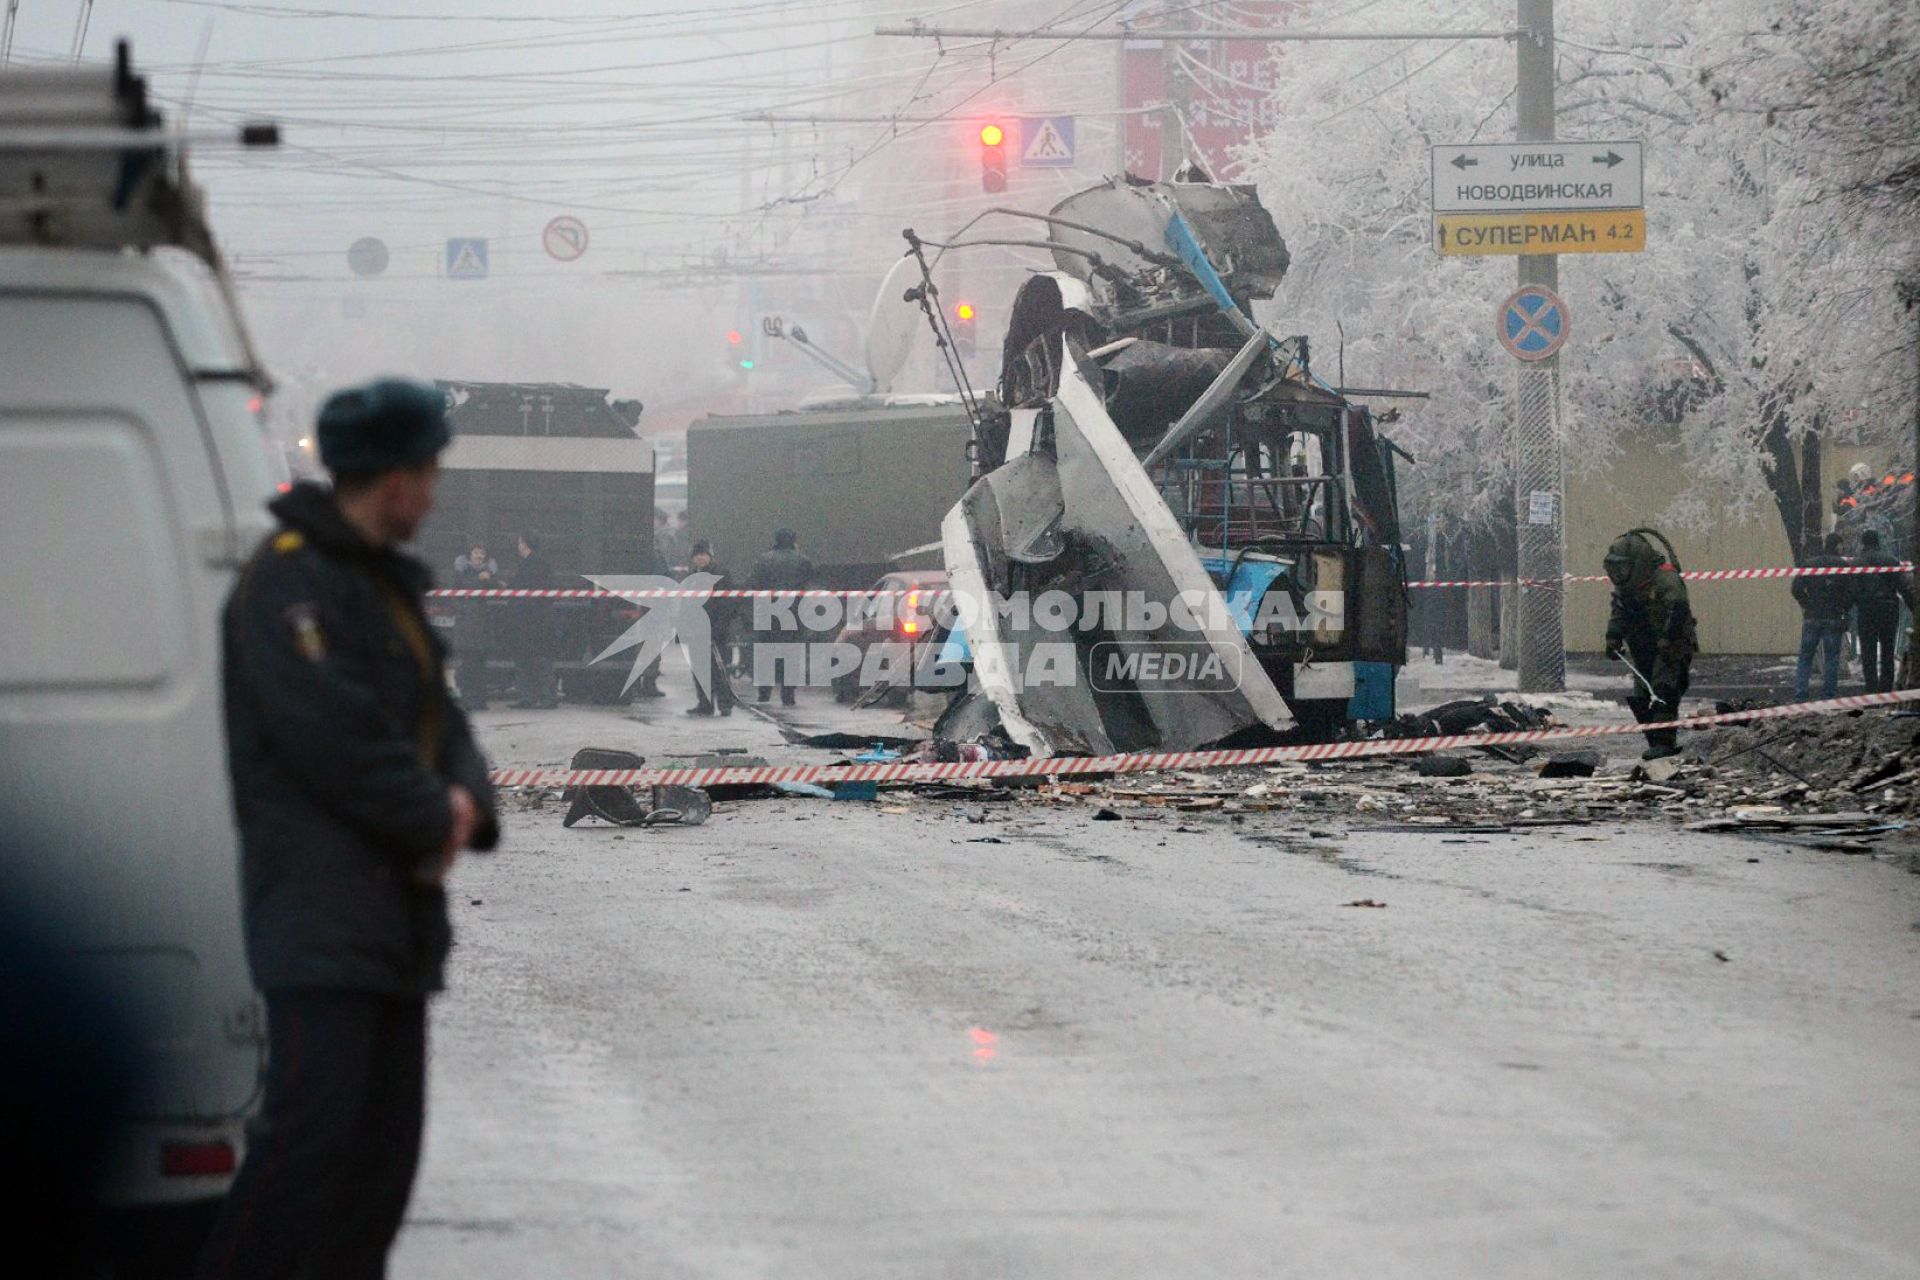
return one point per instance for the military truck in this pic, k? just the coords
(860, 479)
(563, 463)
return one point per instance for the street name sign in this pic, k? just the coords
(1538, 198)
(1510, 177)
(1578, 231)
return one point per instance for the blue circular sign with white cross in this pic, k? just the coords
(1534, 322)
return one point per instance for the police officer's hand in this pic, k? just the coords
(466, 819)
(1613, 653)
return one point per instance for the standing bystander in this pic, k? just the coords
(1877, 598)
(356, 783)
(1824, 602)
(534, 634)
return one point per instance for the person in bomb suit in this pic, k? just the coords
(1651, 625)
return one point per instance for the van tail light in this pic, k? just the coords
(196, 1159)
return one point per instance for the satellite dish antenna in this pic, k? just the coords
(891, 327)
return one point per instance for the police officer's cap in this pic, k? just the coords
(385, 425)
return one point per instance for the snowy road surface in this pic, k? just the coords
(822, 1040)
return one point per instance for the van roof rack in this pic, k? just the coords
(86, 162)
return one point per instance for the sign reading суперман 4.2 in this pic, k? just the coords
(1521, 177)
(1538, 198)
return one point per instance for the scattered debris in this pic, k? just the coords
(851, 741)
(1443, 767)
(1366, 902)
(1569, 764)
(1468, 715)
(654, 806)
(1661, 769)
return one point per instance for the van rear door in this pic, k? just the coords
(119, 540)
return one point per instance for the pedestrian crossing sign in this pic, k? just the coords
(1046, 142)
(466, 258)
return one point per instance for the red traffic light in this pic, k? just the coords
(964, 311)
(992, 135)
(733, 337)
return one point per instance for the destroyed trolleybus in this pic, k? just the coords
(1151, 446)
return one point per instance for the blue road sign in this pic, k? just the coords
(1046, 142)
(466, 258)
(1534, 322)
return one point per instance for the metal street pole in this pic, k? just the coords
(1173, 113)
(1538, 467)
(1910, 662)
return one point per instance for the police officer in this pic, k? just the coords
(715, 692)
(356, 783)
(781, 569)
(535, 628)
(1652, 625)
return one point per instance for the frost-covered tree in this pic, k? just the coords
(1838, 81)
(1750, 319)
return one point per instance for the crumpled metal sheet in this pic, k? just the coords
(1114, 534)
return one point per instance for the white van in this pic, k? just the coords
(133, 471)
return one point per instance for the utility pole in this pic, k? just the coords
(1174, 111)
(1910, 664)
(1538, 466)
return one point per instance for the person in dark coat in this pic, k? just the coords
(717, 695)
(1825, 600)
(537, 624)
(356, 783)
(781, 569)
(474, 571)
(1651, 623)
(1876, 601)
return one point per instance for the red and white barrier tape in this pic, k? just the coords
(1691, 575)
(1144, 762)
(747, 593)
(658, 593)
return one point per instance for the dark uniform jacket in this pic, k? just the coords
(781, 569)
(341, 743)
(723, 612)
(1826, 597)
(1880, 593)
(535, 573)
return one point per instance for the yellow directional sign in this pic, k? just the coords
(1581, 231)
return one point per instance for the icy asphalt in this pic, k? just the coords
(816, 1039)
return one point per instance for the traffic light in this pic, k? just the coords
(993, 159)
(963, 328)
(738, 353)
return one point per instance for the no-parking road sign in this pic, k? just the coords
(1534, 322)
(565, 238)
